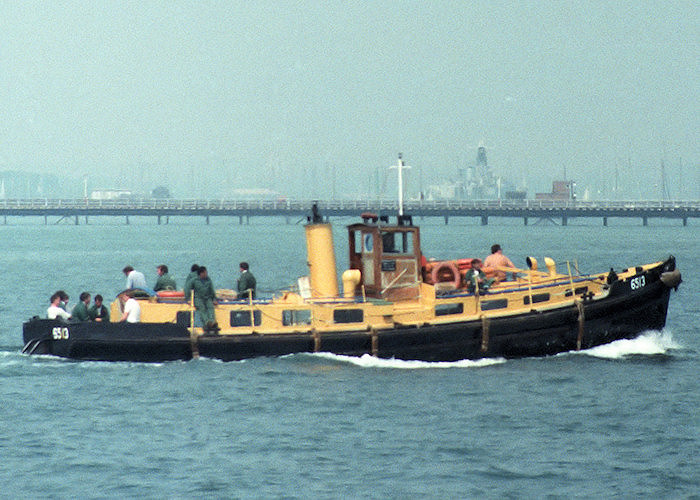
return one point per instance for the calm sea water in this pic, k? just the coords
(620, 420)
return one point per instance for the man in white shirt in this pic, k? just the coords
(131, 309)
(55, 310)
(134, 279)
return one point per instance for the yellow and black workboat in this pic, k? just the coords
(393, 304)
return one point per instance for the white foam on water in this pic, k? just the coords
(11, 358)
(368, 361)
(648, 343)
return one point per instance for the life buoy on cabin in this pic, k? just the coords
(446, 272)
(464, 264)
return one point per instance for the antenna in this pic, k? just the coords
(400, 167)
(665, 195)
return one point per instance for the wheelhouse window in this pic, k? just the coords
(367, 244)
(397, 242)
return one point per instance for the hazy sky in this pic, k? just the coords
(310, 98)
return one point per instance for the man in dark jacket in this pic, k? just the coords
(98, 312)
(80, 311)
(246, 282)
(188, 280)
(164, 281)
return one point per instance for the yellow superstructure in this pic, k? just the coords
(383, 289)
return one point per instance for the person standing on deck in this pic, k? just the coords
(188, 281)
(164, 281)
(246, 282)
(134, 279)
(80, 311)
(204, 298)
(496, 261)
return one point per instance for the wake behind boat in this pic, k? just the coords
(394, 304)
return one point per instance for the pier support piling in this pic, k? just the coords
(484, 220)
(605, 221)
(564, 220)
(645, 221)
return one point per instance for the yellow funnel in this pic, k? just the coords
(321, 260)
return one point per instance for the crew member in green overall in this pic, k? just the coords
(476, 278)
(188, 280)
(164, 281)
(246, 283)
(204, 299)
(80, 311)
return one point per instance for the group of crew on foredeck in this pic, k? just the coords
(82, 311)
(197, 283)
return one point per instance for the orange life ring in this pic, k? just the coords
(445, 272)
(464, 264)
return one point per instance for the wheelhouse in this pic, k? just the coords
(388, 257)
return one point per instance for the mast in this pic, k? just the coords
(665, 195)
(400, 167)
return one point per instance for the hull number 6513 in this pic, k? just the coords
(637, 283)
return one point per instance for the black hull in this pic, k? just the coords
(625, 313)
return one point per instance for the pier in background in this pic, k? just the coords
(75, 210)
